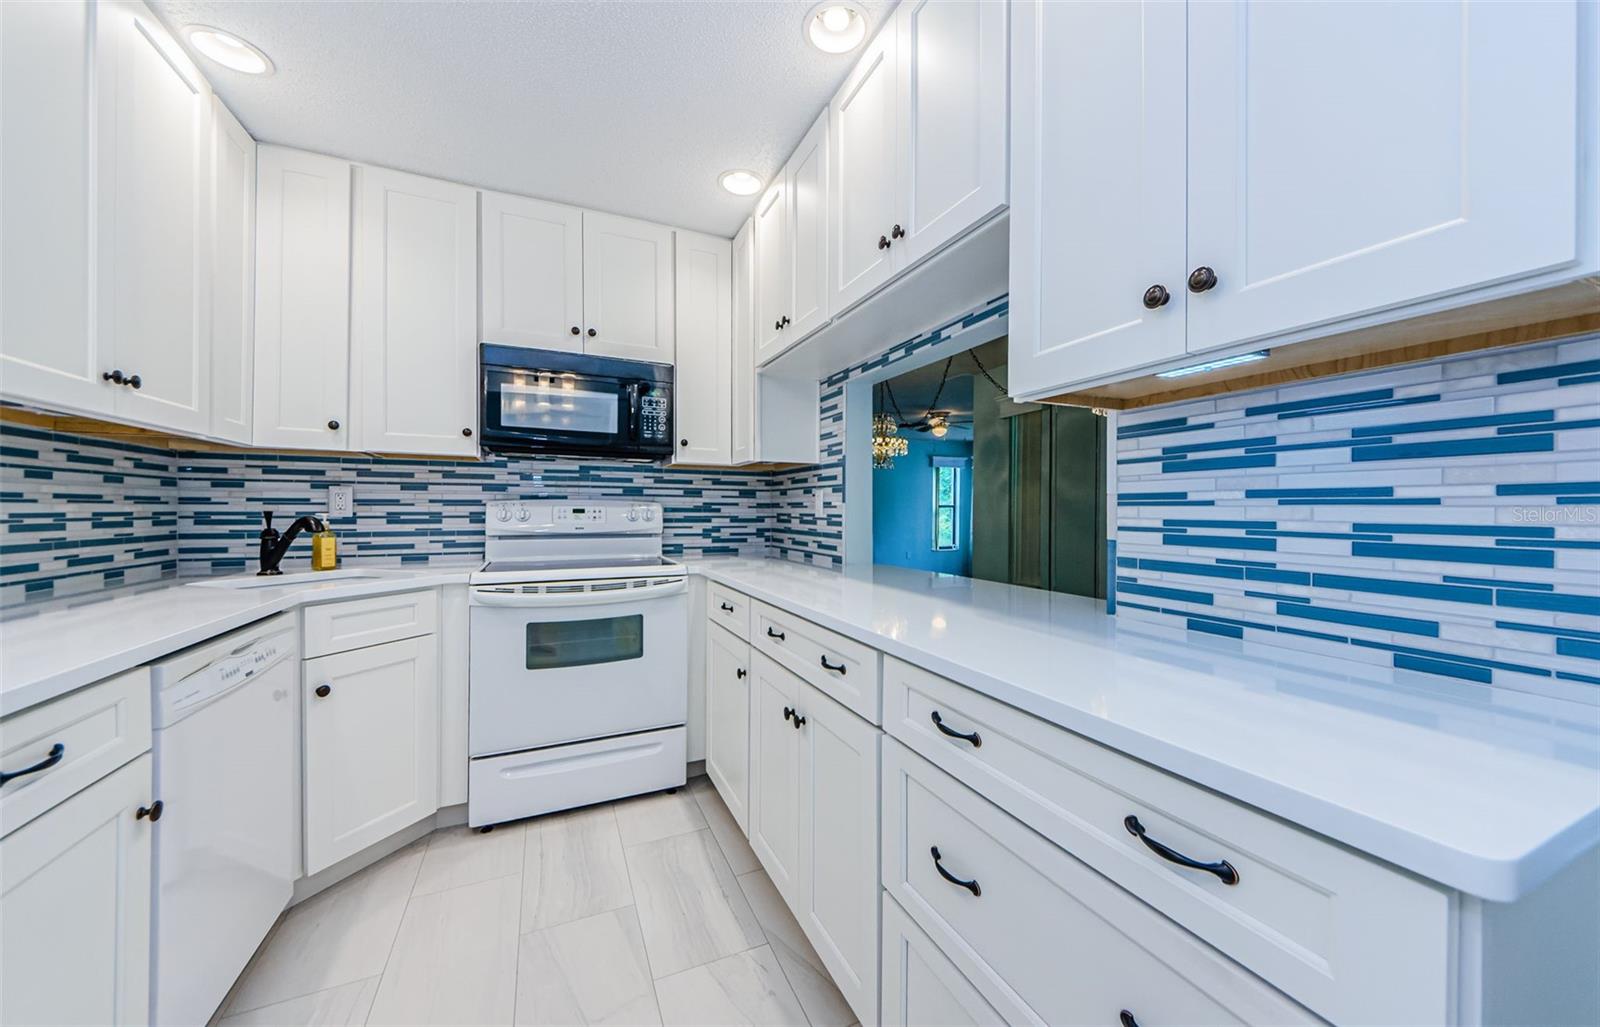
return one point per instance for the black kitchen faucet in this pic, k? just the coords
(273, 545)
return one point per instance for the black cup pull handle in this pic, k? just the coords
(1126, 1019)
(971, 886)
(726, 607)
(1222, 868)
(57, 751)
(837, 668)
(775, 634)
(965, 736)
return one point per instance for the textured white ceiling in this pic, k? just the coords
(624, 106)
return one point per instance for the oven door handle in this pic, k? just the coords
(483, 597)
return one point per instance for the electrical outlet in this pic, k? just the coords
(341, 501)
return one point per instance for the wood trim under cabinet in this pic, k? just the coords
(1556, 313)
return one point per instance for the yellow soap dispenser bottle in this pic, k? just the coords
(324, 550)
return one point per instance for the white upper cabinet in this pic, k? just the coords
(743, 450)
(1112, 172)
(233, 262)
(49, 353)
(774, 248)
(154, 313)
(807, 176)
(532, 288)
(302, 300)
(1346, 158)
(952, 112)
(627, 288)
(703, 394)
(863, 153)
(414, 337)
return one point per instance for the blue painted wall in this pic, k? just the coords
(902, 510)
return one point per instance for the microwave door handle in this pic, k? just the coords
(481, 597)
(633, 411)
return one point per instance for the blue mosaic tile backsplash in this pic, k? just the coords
(1442, 518)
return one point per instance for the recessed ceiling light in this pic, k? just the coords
(741, 183)
(228, 50)
(836, 26)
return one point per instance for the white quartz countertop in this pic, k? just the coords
(1485, 790)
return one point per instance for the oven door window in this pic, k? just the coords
(581, 643)
(554, 405)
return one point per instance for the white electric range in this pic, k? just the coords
(579, 661)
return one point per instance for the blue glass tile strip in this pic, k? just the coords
(1476, 528)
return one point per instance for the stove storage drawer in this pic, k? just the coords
(842, 668)
(1042, 937)
(358, 623)
(729, 608)
(1353, 939)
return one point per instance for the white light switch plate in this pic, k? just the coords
(341, 501)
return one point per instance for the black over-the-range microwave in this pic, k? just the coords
(546, 401)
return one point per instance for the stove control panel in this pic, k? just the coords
(561, 517)
(580, 515)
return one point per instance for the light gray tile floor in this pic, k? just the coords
(645, 911)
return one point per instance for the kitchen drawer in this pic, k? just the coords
(921, 986)
(844, 669)
(1353, 939)
(358, 623)
(99, 728)
(1043, 937)
(729, 608)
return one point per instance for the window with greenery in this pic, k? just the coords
(946, 490)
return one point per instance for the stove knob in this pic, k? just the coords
(522, 513)
(649, 513)
(633, 515)
(502, 514)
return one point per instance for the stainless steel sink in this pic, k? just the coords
(279, 580)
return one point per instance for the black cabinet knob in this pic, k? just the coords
(883, 242)
(323, 691)
(1126, 1019)
(798, 721)
(576, 330)
(1201, 279)
(593, 333)
(333, 425)
(683, 442)
(466, 432)
(788, 713)
(135, 381)
(897, 232)
(153, 811)
(1156, 296)
(777, 325)
(741, 672)
(114, 377)
(785, 320)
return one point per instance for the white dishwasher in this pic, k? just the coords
(226, 820)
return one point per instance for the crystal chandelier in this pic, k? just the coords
(886, 441)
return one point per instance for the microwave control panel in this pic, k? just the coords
(655, 414)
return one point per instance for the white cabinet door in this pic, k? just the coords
(864, 183)
(154, 312)
(952, 110)
(532, 289)
(1347, 158)
(774, 248)
(49, 352)
(775, 774)
(414, 358)
(743, 450)
(75, 908)
(233, 275)
(302, 300)
(838, 895)
(728, 720)
(807, 176)
(371, 746)
(627, 288)
(702, 418)
(1097, 189)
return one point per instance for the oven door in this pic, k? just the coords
(556, 410)
(564, 663)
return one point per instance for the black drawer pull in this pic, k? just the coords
(1126, 1019)
(726, 607)
(837, 668)
(1223, 869)
(971, 886)
(775, 634)
(965, 736)
(57, 751)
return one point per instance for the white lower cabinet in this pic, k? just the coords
(75, 893)
(921, 987)
(775, 774)
(1045, 939)
(371, 746)
(728, 719)
(838, 906)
